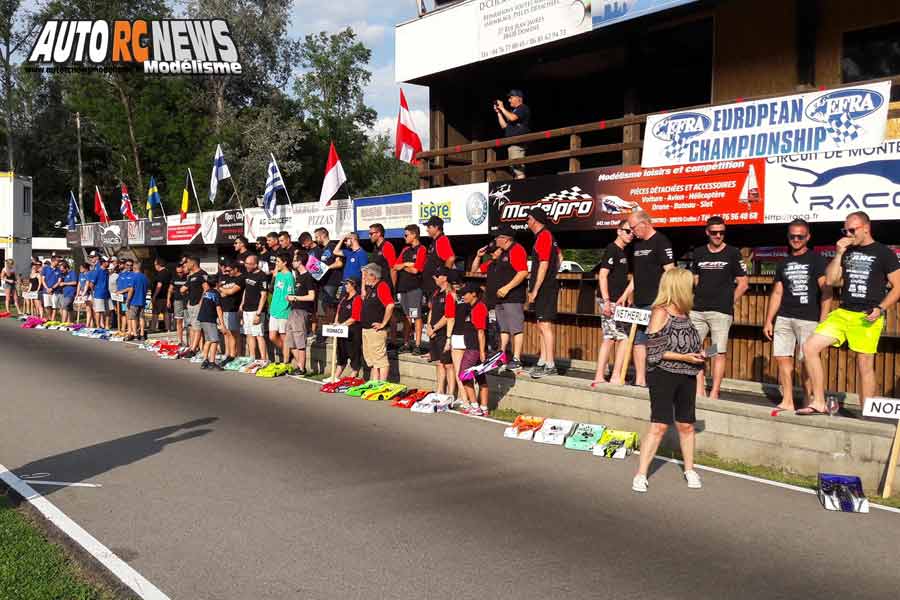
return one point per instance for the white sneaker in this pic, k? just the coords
(639, 483)
(693, 479)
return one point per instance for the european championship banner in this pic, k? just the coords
(822, 121)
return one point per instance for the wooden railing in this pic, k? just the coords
(478, 160)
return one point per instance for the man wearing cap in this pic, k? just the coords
(543, 288)
(472, 325)
(514, 121)
(440, 253)
(409, 268)
(49, 285)
(123, 281)
(100, 286)
(378, 306)
(441, 316)
(507, 274)
(136, 299)
(68, 283)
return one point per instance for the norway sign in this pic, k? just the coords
(823, 121)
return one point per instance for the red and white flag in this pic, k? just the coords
(334, 177)
(408, 142)
(126, 209)
(99, 207)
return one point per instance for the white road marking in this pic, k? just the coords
(64, 484)
(104, 555)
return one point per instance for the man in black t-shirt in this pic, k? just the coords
(242, 249)
(192, 290)
(612, 283)
(179, 280)
(653, 255)
(329, 283)
(160, 297)
(863, 268)
(720, 279)
(252, 307)
(514, 121)
(303, 304)
(231, 289)
(800, 299)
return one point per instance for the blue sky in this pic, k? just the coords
(374, 23)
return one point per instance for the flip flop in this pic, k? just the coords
(810, 412)
(777, 410)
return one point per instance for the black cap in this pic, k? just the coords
(354, 281)
(505, 230)
(435, 221)
(515, 92)
(471, 288)
(539, 215)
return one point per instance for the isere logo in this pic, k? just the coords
(167, 47)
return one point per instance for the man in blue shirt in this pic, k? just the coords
(68, 287)
(136, 297)
(49, 285)
(100, 285)
(355, 257)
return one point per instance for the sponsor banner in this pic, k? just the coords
(307, 216)
(506, 26)
(90, 235)
(770, 252)
(682, 195)
(222, 227)
(137, 232)
(156, 232)
(394, 212)
(73, 238)
(182, 233)
(568, 199)
(464, 208)
(114, 233)
(822, 121)
(826, 186)
(608, 12)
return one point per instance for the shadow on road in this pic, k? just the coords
(85, 463)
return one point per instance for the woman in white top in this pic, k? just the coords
(8, 278)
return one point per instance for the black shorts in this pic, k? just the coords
(436, 349)
(544, 306)
(671, 393)
(350, 348)
(160, 305)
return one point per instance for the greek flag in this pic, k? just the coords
(274, 182)
(219, 172)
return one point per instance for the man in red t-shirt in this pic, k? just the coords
(474, 331)
(408, 268)
(378, 306)
(543, 288)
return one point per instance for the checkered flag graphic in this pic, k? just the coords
(573, 193)
(842, 128)
(677, 147)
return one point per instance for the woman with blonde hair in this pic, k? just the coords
(8, 279)
(673, 360)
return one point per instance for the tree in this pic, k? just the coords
(17, 27)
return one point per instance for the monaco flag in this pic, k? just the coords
(408, 143)
(126, 208)
(334, 177)
(99, 207)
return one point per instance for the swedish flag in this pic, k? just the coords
(153, 198)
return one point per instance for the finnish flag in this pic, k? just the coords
(274, 182)
(219, 172)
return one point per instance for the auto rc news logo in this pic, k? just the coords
(169, 47)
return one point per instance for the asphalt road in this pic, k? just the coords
(224, 486)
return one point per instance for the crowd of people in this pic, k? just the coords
(266, 304)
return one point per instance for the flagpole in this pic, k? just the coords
(193, 187)
(236, 193)
(282, 181)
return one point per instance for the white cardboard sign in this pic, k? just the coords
(338, 331)
(883, 408)
(632, 315)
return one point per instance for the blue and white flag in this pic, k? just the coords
(274, 182)
(72, 216)
(219, 172)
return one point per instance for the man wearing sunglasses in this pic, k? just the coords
(800, 299)
(862, 267)
(612, 282)
(720, 279)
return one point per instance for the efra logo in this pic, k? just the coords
(168, 47)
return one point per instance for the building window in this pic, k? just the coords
(871, 53)
(26, 200)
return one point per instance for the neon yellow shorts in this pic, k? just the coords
(861, 335)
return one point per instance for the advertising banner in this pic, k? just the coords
(568, 199)
(222, 226)
(137, 232)
(73, 239)
(157, 232)
(464, 208)
(822, 121)
(182, 233)
(90, 235)
(307, 216)
(608, 12)
(506, 26)
(826, 186)
(683, 195)
(394, 212)
(114, 234)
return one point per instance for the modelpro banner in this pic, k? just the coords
(825, 121)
